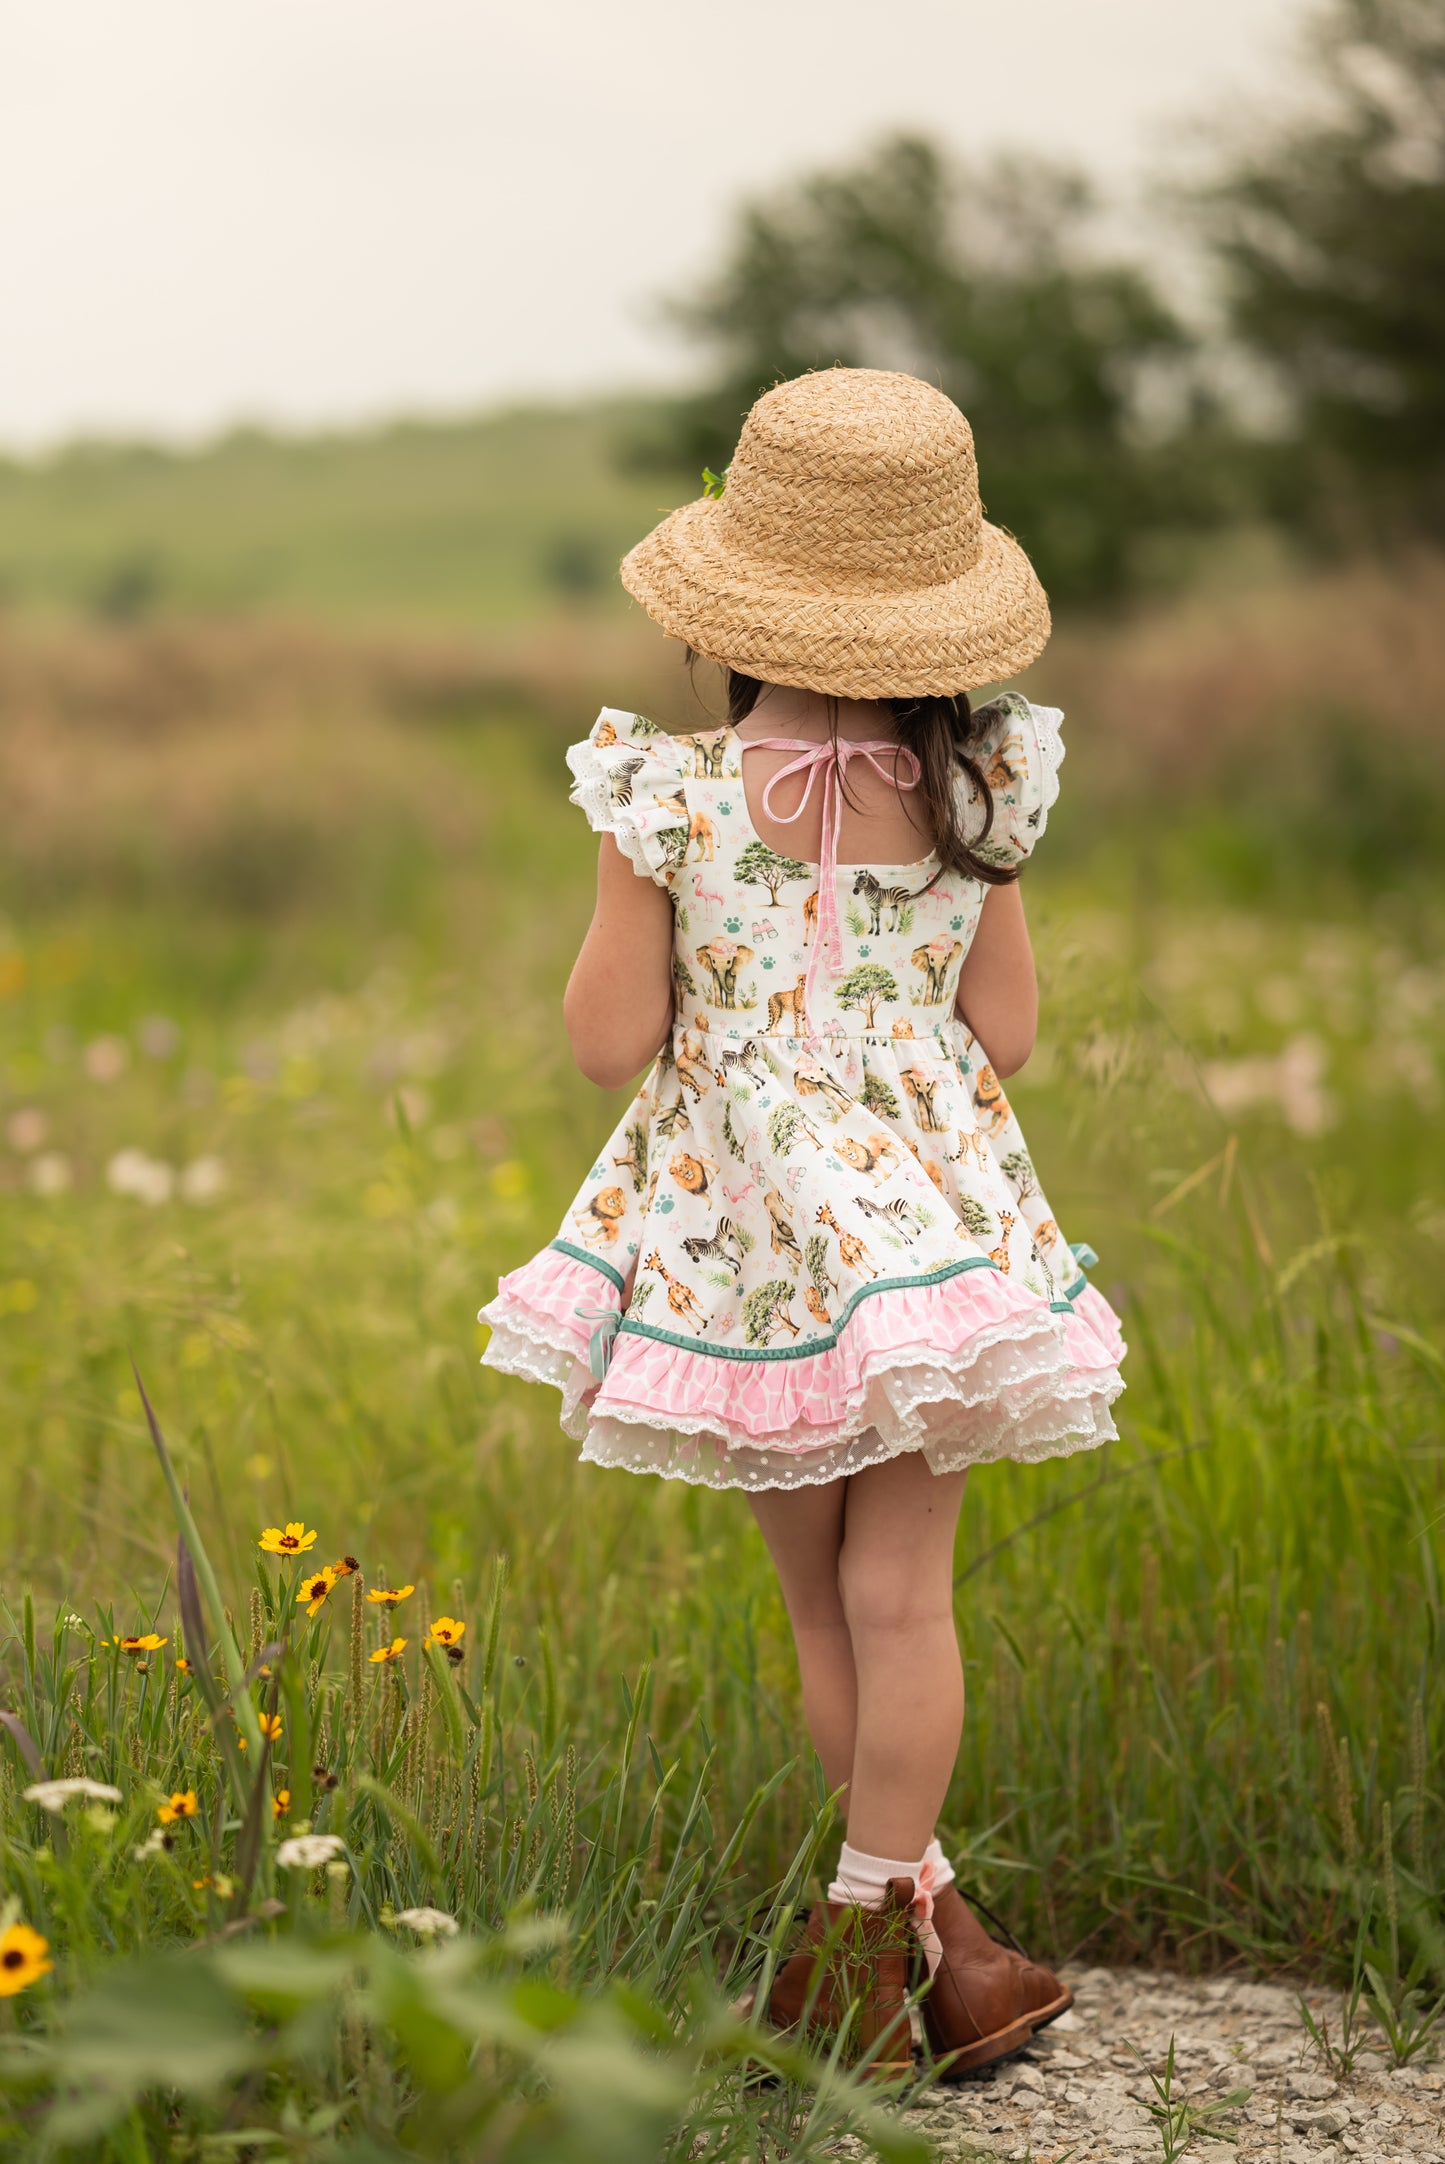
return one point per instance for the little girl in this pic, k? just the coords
(813, 1260)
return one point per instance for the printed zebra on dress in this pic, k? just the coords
(902, 1215)
(724, 1244)
(879, 898)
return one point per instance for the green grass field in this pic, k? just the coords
(483, 523)
(285, 1088)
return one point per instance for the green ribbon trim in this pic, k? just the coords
(814, 1345)
(580, 1254)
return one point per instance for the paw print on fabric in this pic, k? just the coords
(734, 924)
(598, 1172)
(865, 950)
(664, 1206)
(832, 1163)
(767, 961)
(632, 1247)
(955, 924)
(726, 810)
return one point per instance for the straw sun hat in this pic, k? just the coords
(848, 552)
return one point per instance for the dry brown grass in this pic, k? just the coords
(1205, 688)
(243, 760)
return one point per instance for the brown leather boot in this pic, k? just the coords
(986, 2000)
(854, 1954)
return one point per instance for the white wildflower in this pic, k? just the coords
(104, 1058)
(159, 1036)
(132, 1172)
(55, 1795)
(428, 1923)
(26, 1129)
(50, 1174)
(305, 1851)
(203, 1179)
(157, 1843)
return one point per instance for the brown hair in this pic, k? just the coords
(942, 733)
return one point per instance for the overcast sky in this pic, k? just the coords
(327, 210)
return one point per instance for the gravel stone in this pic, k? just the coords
(1081, 2086)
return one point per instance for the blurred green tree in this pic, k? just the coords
(985, 281)
(1331, 235)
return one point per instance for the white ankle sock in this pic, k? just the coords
(863, 1879)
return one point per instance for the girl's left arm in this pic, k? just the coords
(619, 998)
(998, 993)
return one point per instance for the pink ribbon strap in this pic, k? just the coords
(921, 1910)
(832, 761)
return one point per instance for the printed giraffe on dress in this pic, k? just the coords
(999, 1256)
(680, 1297)
(691, 1062)
(852, 1252)
(810, 916)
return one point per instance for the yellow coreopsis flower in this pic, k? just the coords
(315, 1589)
(281, 1803)
(344, 1566)
(295, 1540)
(446, 1630)
(388, 1596)
(270, 1726)
(183, 1804)
(23, 1955)
(148, 1643)
(393, 1652)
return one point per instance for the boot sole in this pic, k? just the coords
(958, 2063)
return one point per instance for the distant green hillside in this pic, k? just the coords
(467, 523)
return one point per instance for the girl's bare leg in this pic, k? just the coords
(803, 1530)
(866, 1568)
(896, 1576)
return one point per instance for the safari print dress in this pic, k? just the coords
(816, 1237)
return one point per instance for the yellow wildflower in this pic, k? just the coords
(446, 1630)
(148, 1643)
(183, 1804)
(281, 1803)
(270, 1726)
(393, 1652)
(315, 1589)
(22, 1959)
(388, 1596)
(344, 1566)
(295, 1540)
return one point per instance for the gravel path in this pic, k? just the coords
(1075, 2090)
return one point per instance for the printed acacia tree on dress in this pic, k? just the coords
(760, 866)
(865, 986)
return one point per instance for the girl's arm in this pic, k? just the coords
(998, 993)
(618, 1002)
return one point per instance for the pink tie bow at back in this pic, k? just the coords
(831, 759)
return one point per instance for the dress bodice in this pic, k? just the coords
(769, 943)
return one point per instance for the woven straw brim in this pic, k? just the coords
(981, 628)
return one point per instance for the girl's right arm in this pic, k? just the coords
(619, 1000)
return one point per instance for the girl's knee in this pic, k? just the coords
(883, 1591)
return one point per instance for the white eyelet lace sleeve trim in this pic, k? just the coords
(620, 782)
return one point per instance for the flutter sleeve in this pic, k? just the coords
(1018, 756)
(628, 779)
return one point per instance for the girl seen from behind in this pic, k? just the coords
(814, 1261)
